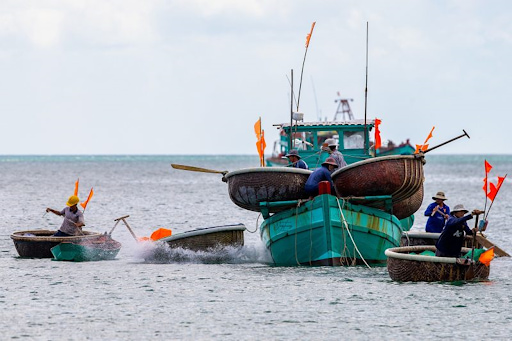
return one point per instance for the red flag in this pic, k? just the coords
(488, 168)
(493, 189)
(308, 37)
(378, 142)
(487, 257)
(84, 204)
(76, 187)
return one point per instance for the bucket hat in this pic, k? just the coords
(330, 161)
(293, 152)
(459, 208)
(439, 195)
(331, 142)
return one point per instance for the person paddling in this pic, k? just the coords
(451, 239)
(437, 212)
(73, 218)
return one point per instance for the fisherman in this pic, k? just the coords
(451, 239)
(73, 218)
(295, 160)
(437, 212)
(321, 174)
(335, 153)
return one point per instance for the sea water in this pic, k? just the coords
(235, 294)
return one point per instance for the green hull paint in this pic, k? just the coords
(315, 233)
(79, 253)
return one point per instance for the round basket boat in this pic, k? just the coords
(38, 243)
(407, 207)
(209, 238)
(400, 176)
(248, 187)
(406, 267)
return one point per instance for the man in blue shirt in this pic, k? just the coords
(437, 213)
(295, 160)
(451, 239)
(321, 174)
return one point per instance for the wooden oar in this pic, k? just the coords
(482, 240)
(197, 169)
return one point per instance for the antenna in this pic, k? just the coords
(318, 112)
(366, 94)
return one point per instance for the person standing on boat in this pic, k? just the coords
(321, 174)
(437, 212)
(73, 218)
(295, 160)
(335, 153)
(451, 239)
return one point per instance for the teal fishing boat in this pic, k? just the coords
(101, 248)
(329, 231)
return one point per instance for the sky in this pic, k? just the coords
(193, 76)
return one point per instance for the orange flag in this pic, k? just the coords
(76, 187)
(487, 257)
(423, 147)
(493, 189)
(488, 168)
(257, 128)
(84, 204)
(308, 37)
(378, 142)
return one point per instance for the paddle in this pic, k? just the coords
(197, 169)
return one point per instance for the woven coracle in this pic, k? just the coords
(405, 267)
(248, 187)
(37, 243)
(400, 176)
(206, 239)
(407, 207)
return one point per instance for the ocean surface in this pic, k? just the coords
(237, 294)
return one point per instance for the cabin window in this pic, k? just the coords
(353, 139)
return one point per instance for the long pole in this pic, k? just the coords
(304, 62)
(291, 113)
(366, 94)
(442, 144)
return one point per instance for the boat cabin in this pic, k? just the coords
(307, 138)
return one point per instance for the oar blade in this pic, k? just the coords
(197, 169)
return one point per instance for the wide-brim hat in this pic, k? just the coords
(330, 161)
(293, 152)
(73, 200)
(440, 195)
(459, 208)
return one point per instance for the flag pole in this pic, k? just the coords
(492, 202)
(486, 186)
(366, 95)
(304, 62)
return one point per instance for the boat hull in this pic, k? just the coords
(248, 187)
(208, 239)
(405, 267)
(400, 176)
(38, 243)
(101, 248)
(326, 231)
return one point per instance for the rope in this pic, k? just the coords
(296, 220)
(257, 224)
(350, 234)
